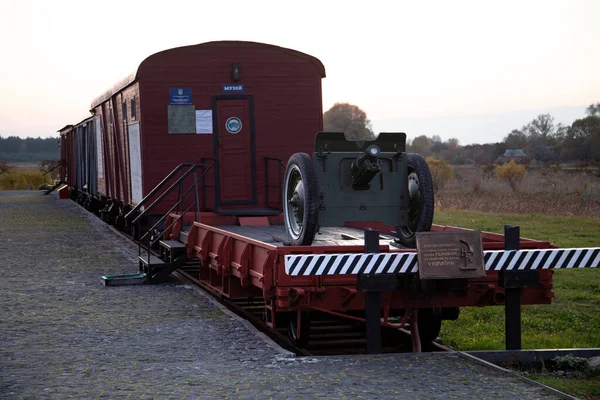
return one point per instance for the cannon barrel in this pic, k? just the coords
(365, 167)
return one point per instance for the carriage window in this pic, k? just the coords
(133, 107)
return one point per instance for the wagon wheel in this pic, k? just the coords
(301, 200)
(430, 324)
(420, 198)
(292, 331)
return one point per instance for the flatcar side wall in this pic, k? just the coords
(286, 93)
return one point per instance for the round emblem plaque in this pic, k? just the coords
(233, 125)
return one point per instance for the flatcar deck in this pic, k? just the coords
(276, 235)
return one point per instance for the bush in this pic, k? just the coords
(571, 363)
(23, 180)
(512, 173)
(441, 172)
(486, 171)
(5, 167)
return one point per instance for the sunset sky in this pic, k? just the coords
(473, 70)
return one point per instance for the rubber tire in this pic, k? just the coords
(310, 218)
(407, 234)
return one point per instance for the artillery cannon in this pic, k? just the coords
(367, 181)
(365, 168)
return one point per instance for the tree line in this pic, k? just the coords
(16, 149)
(542, 139)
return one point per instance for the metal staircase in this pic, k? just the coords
(159, 258)
(53, 187)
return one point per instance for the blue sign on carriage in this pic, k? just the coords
(180, 96)
(233, 88)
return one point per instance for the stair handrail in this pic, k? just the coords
(181, 199)
(178, 183)
(135, 209)
(151, 243)
(204, 186)
(280, 165)
(163, 195)
(51, 169)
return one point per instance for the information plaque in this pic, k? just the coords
(450, 255)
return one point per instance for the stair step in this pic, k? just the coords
(253, 221)
(153, 260)
(122, 280)
(183, 234)
(336, 343)
(172, 244)
(340, 336)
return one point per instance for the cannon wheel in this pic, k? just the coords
(420, 198)
(301, 200)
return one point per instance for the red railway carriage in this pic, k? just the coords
(67, 166)
(231, 106)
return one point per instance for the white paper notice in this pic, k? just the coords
(204, 121)
(135, 163)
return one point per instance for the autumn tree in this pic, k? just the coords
(421, 145)
(544, 130)
(350, 119)
(441, 172)
(544, 137)
(516, 139)
(582, 140)
(593, 110)
(453, 143)
(512, 173)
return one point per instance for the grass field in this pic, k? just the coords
(23, 176)
(571, 321)
(573, 318)
(583, 388)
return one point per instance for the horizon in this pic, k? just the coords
(463, 70)
(429, 126)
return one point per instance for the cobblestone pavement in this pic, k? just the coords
(63, 335)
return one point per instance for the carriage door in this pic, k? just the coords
(234, 149)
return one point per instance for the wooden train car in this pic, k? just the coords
(79, 160)
(231, 106)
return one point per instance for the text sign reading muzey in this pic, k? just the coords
(450, 255)
(233, 88)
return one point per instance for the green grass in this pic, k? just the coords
(584, 388)
(571, 321)
(22, 180)
(573, 318)
(561, 231)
